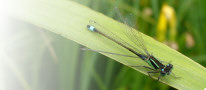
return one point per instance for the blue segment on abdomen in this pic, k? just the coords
(91, 28)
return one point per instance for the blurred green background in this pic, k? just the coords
(56, 63)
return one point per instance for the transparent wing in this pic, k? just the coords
(135, 37)
(106, 33)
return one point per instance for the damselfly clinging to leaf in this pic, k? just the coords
(155, 65)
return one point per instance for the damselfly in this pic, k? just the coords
(156, 65)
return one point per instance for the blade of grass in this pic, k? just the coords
(68, 63)
(98, 80)
(69, 19)
(154, 4)
(87, 68)
(108, 73)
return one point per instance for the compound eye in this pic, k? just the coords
(169, 65)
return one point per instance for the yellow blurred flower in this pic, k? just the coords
(167, 19)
